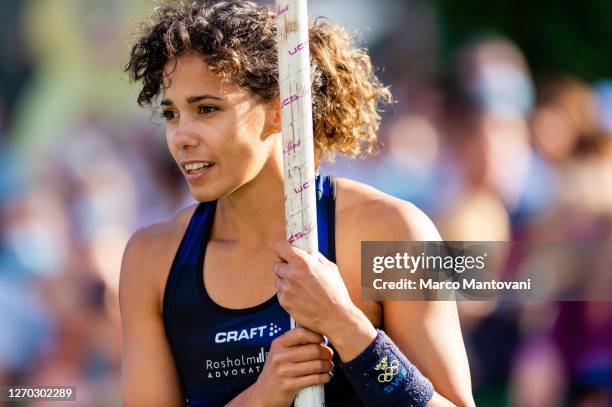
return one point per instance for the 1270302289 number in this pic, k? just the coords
(14, 393)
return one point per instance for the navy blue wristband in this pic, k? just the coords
(382, 376)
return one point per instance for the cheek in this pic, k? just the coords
(169, 143)
(251, 148)
(248, 154)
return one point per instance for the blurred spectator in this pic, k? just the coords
(565, 120)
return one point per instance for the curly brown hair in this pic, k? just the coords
(238, 42)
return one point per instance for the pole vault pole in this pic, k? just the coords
(298, 144)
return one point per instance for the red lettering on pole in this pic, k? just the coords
(291, 146)
(290, 99)
(302, 187)
(299, 235)
(287, 101)
(297, 48)
(281, 10)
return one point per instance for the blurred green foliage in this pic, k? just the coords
(557, 36)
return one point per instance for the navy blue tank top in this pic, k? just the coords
(219, 352)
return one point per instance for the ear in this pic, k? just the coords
(274, 115)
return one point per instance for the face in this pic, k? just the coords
(220, 135)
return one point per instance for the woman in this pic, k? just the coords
(205, 296)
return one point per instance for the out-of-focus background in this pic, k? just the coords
(502, 131)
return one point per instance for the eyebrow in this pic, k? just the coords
(191, 99)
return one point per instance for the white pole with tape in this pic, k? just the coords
(298, 144)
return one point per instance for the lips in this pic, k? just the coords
(193, 166)
(194, 170)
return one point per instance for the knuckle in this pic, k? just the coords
(290, 283)
(282, 370)
(276, 360)
(301, 333)
(288, 290)
(289, 273)
(285, 386)
(300, 263)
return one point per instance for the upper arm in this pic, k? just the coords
(149, 374)
(427, 332)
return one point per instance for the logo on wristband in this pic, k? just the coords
(389, 370)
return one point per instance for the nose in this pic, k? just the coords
(183, 136)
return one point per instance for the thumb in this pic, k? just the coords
(321, 257)
(285, 251)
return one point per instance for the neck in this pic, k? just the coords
(254, 214)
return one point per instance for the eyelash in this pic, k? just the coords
(207, 107)
(167, 114)
(170, 114)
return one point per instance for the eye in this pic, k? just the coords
(207, 109)
(168, 114)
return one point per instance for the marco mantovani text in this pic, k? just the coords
(464, 284)
(454, 264)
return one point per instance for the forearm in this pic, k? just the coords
(351, 333)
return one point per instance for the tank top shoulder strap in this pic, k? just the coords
(189, 252)
(195, 235)
(326, 210)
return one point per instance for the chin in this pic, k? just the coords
(207, 192)
(217, 187)
(203, 194)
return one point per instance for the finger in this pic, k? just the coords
(305, 353)
(279, 283)
(307, 368)
(286, 251)
(298, 336)
(281, 269)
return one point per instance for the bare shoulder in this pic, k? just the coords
(364, 213)
(149, 253)
(375, 215)
(149, 375)
(427, 332)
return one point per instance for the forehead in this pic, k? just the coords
(189, 74)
